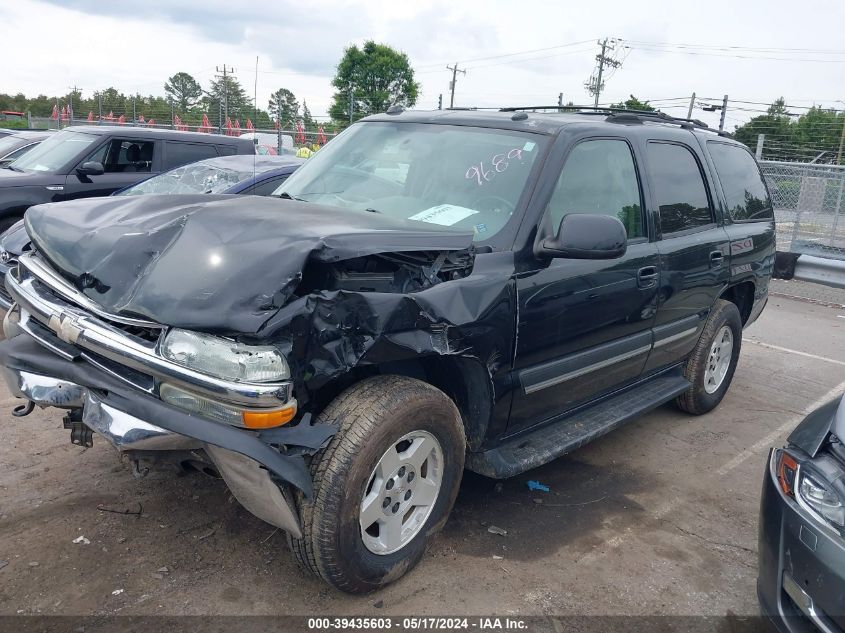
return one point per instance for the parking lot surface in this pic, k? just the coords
(657, 518)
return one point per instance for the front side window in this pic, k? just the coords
(742, 183)
(56, 151)
(679, 188)
(122, 156)
(599, 177)
(443, 175)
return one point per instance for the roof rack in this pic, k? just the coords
(622, 115)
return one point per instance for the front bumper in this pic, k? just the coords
(801, 581)
(252, 464)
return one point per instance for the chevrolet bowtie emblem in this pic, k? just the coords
(65, 327)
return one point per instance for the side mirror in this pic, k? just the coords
(91, 168)
(586, 236)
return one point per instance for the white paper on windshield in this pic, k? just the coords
(444, 214)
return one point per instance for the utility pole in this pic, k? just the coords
(560, 100)
(595, 83)
(759, 151)
(70, 114)
(841, 143)
(100, 108)
(134, 111)
(722, 118)
(455, 70)
(440, 102)
(224, 103)
(351, 103)
(691, 104)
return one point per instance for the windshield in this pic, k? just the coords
(467, 178)
(193, 178)
(55, 152)
(8, 143)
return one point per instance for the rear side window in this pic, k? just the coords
(742, 182)
(599, 177)
(679, 188)
(182, 153)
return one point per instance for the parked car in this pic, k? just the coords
(251, 175)
(85, 161)
(15, 145)
(434, 291)
(801, 582)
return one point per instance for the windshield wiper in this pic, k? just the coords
(13, 168)
(287, 196)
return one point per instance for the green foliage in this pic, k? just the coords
(307, 120)
(790, 138)
(633, 104)
(283, 106)
(239, 105)
(13, 125)
(183, 91)
(377, 76)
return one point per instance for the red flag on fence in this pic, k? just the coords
(110, 117)
(321, 136)
(55, 114)
(141, 119)
(206, 124)
(151, 122)
(64, 113)
(237, 129)
(300, 133)
(90, 115)
(121, 120)
(276, 125)
(249, 125)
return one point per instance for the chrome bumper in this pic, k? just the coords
(249, 482)
(77, 321)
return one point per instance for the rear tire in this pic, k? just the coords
(711, 366)
(397, 460)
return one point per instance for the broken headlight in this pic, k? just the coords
(224, 358)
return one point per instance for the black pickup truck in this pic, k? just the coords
(430, 292)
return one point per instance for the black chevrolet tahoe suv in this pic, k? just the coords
(89, 160)
(432, 291)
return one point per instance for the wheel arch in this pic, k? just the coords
(741, 294)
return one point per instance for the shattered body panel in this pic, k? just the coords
(333, 289)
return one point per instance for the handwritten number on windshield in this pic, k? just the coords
(498, 164)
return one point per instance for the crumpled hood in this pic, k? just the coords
(813, 431)
(210, 262)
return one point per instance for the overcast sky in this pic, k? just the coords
(50, 46)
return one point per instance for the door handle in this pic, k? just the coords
(647, 277)
(716, 259)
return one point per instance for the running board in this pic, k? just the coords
(540, 446)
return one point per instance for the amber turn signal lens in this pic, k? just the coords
(786, 469)
(268, 419)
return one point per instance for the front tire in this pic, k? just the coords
(710, 368)
(384, 484)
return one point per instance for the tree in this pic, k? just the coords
(283, 106)
(183, 91)
(307, 119)
(634, 104)
(377, 76)
(230, 93)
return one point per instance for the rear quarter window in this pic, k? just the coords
(742, 182)
(178, 153)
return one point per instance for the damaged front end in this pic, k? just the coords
(122, 309)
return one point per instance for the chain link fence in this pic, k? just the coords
(809, 202)
(283, 141)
